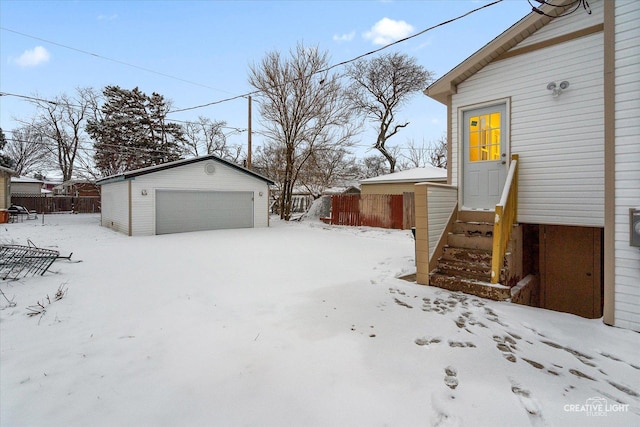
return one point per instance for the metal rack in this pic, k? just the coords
(20, 260)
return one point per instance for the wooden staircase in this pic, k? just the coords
(465, 264)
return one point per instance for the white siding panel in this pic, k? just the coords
(560, 140)
(627, 176)
(440, 203)
(193, 177)
(567, 24)
(114, 199)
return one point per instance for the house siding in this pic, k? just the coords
(627, 159)
(441, 202)
(573, 22)
(559, 139)
(115, 206)
(4, 190)
(192, 177)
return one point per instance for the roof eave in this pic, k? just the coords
(447, 85)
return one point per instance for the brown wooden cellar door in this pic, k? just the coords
(571, 270)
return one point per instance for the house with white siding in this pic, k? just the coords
(544, 166)
(202, 193)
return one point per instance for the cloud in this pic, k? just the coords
(387, 30)
(107, 17)
(344, 37)
(34, 57)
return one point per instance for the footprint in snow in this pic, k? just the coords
(507, 346)
(451, 377)
(528, 403)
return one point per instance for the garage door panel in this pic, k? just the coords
(182, 210)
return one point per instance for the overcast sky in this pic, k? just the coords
(198, 52)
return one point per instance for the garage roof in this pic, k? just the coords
(170, 165)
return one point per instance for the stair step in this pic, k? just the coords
(470, 242)
(470, 270)
(477, 216)
(469, 286)
(473, 228)
(465, 254)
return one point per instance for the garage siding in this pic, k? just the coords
(179, 211)
(115, 203)
(193, 177)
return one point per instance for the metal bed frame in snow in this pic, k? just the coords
(20, 260)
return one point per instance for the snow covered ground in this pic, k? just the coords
(299, 324)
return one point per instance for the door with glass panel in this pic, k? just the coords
(484, 167)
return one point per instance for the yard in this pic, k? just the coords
(298, 324)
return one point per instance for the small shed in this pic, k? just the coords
(24, 185)
(402, 181)
(202, 193)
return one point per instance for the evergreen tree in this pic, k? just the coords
(132, 132)
(4, 160)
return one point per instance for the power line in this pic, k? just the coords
(246, 95)
(564, 12)
(353, 59)
(255, 92)
(111, 59)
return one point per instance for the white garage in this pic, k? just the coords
(203, 193)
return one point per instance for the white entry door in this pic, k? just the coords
(485, 165)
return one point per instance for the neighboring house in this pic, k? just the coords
(563, 95)
(78, 188)
(202, 193)
(50, 185)
(22, 185)
(5, 186)
(402, 181)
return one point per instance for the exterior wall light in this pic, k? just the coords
(557, 89)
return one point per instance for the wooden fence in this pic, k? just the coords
(51, 204)
(374, 210)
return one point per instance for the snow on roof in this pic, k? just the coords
(26, 179)
(428, 173)
(177, 163)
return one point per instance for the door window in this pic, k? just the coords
(484, 137)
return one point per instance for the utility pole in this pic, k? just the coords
(249, 135)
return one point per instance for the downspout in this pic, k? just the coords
(130, 208)
(609, 164)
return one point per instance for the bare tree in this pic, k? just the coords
(62, 122)
(303, 110)
(380, 87)
(438, 153)
(414, 156)
(372, 166)
(206, 136)
(28, 150)
(328, 168)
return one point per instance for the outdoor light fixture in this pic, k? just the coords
(557, 89)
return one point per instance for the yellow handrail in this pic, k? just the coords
(506, 215)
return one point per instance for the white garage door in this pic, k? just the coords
(178, 211)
